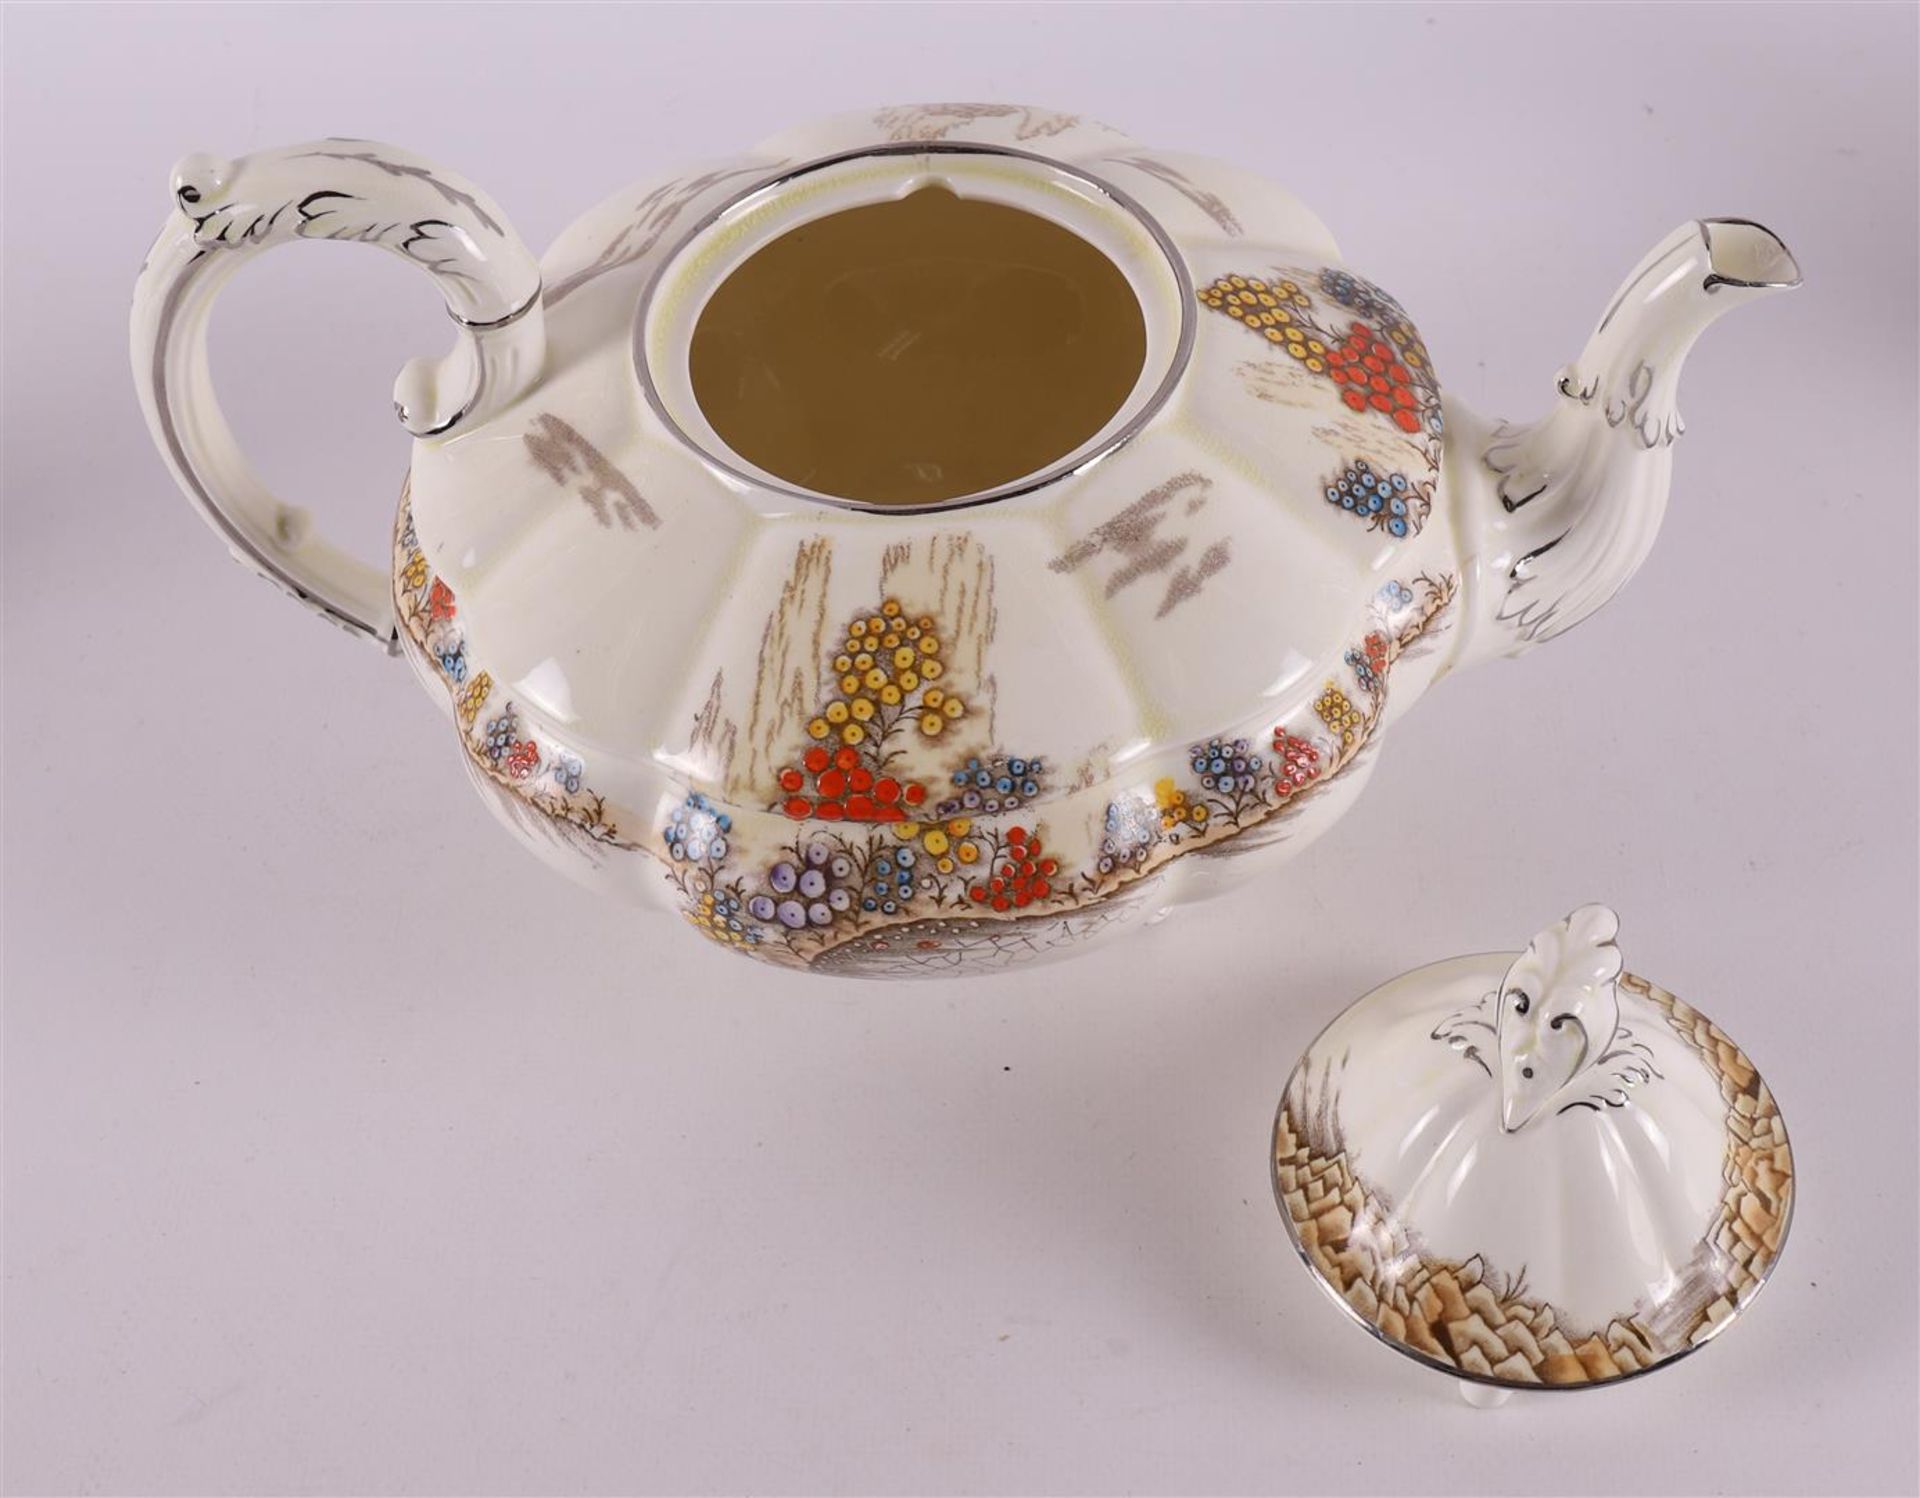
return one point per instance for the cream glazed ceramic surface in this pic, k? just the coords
(1534, 1169)
(929, 740)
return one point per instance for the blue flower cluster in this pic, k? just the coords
(1132, 828)
(1395, 596)
(1228, 767)
(892, 881)
(501, 732)
(808, 891)
(454, 662)
(1350, 291)
(568, 770)
(726, 912)
(999, 783)
(697, 831)
(1388, 502)
(1362, 670)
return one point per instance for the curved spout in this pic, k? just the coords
(1577, 497)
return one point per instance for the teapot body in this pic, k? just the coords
(814, 856)
(896, 742)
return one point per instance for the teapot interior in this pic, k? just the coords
(917, 349)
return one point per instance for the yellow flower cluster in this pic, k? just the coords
(474, 698)
(1408, 343)
(887, 660)
(414, 574)
(712, 922)
(1270, 309)
(1176, 807)
(1337, 711)
(949, 843)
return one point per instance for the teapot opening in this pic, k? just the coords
(1743, 253)
(917, 349)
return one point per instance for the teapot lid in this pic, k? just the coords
(1534, 1169)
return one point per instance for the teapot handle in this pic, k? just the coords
(225, 212)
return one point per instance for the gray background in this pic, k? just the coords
(349, 1150)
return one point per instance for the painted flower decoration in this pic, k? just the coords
(840, 784)
(453, 662)
(1276, 310)
(474, 698)
(717, 914)
(568, 771)
(1337, 711)
(1228, 767)
(1296, 763)
(883, 679)
(522, 760)
(1373, 377)
(1177, 808)
(1131, 828)
(696, 831)
(1387, 502)
(948, 844)
(1023, 876)
(1368, 661)
(1251, 299)
(895, 876)
(1379, 362)
(1394, 597)
(813, 888)
(500, 733)
(1377, 309)
(1350, 291)
(998, 783)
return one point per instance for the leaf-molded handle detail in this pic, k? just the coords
(362, 192)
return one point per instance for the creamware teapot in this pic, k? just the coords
(940, 537)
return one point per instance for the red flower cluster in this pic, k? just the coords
(1297, 763)
(1021, 879)
(1374, 377)
(440, 601)
(835, 785)
(523, 759)
(1375, 649)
